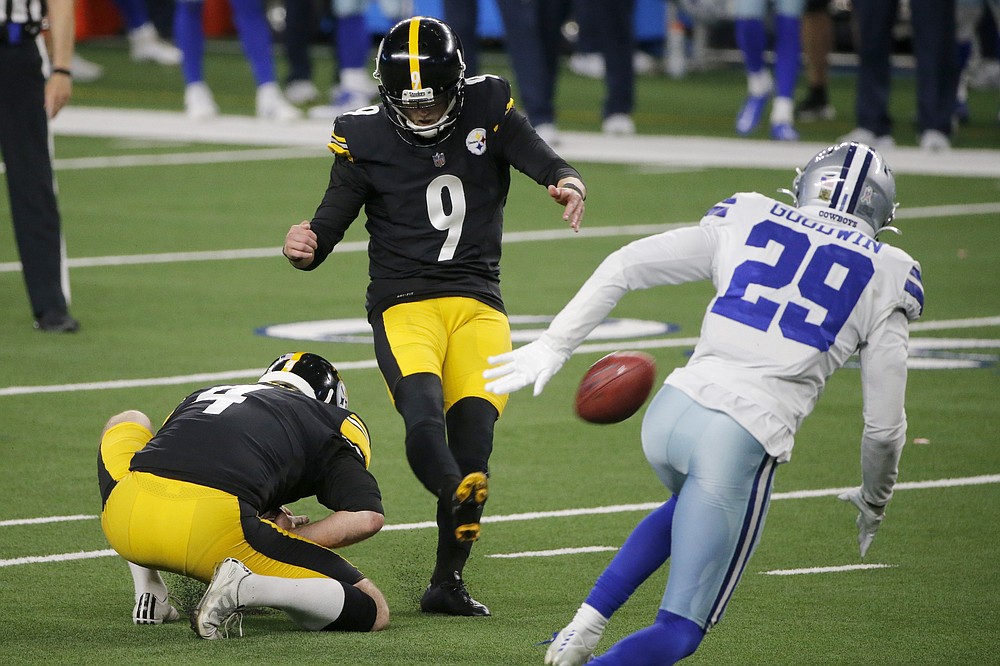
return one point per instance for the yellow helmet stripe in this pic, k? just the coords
(290, 363)
(415, 83)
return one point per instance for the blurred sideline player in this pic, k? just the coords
(145, 43)
(431, 168)
(751, 36)
(255, 38)
(817, 43)
(205, 497)
(799, 289)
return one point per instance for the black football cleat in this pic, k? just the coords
(56, 322)
(451, 598)
(815, 106)
(467, 505)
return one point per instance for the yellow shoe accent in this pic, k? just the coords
(470, 496)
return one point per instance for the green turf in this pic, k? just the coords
(935, 605)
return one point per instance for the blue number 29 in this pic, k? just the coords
(813, 286)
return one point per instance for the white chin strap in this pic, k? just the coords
(423, 131)
(290, 378)
(430, 131)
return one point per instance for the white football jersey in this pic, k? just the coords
(796, 296)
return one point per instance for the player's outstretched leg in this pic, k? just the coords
(669, 639)
(447, 593)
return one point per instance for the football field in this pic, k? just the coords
(174, 241)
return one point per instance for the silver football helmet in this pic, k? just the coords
(851, 181)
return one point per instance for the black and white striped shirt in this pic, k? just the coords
(28, 13)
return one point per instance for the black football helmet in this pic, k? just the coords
(420, 64)
(311, 374)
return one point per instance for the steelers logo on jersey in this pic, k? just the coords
(475, 141)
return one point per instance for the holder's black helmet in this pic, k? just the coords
(420, 64)
(311, 374)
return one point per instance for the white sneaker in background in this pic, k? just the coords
(618, 124)
(341, 101)
(272, 105)
(85, 71)
(198, 101)
(301, 91)
(590, 65)
(862, 135)
(548, 133)
(984, 73)
(644, 64)
(146, 45)
(934, 141)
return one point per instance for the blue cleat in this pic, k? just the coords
(751, 113)
(783, 132)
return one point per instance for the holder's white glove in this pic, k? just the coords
(869, 518)
(534, 362)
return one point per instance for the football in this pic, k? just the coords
(615, 387)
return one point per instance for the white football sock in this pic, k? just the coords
(759, 83)
(312, 603)
(782, 111)
(147, 580)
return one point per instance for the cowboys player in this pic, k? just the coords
(799, 289)
(431, 168)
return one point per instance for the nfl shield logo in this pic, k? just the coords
(439, 160)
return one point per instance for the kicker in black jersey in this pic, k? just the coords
(434, 212)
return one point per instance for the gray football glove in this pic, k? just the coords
(535, 362)
(869, 518)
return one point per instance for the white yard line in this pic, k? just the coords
(687, 151)
(561, 235)
(207, 378)
(520, 517)
(818, 570)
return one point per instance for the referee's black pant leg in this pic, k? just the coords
(24, 141)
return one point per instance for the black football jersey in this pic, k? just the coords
(435, 211)
(266, 444)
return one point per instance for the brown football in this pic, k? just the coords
(615, 387)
